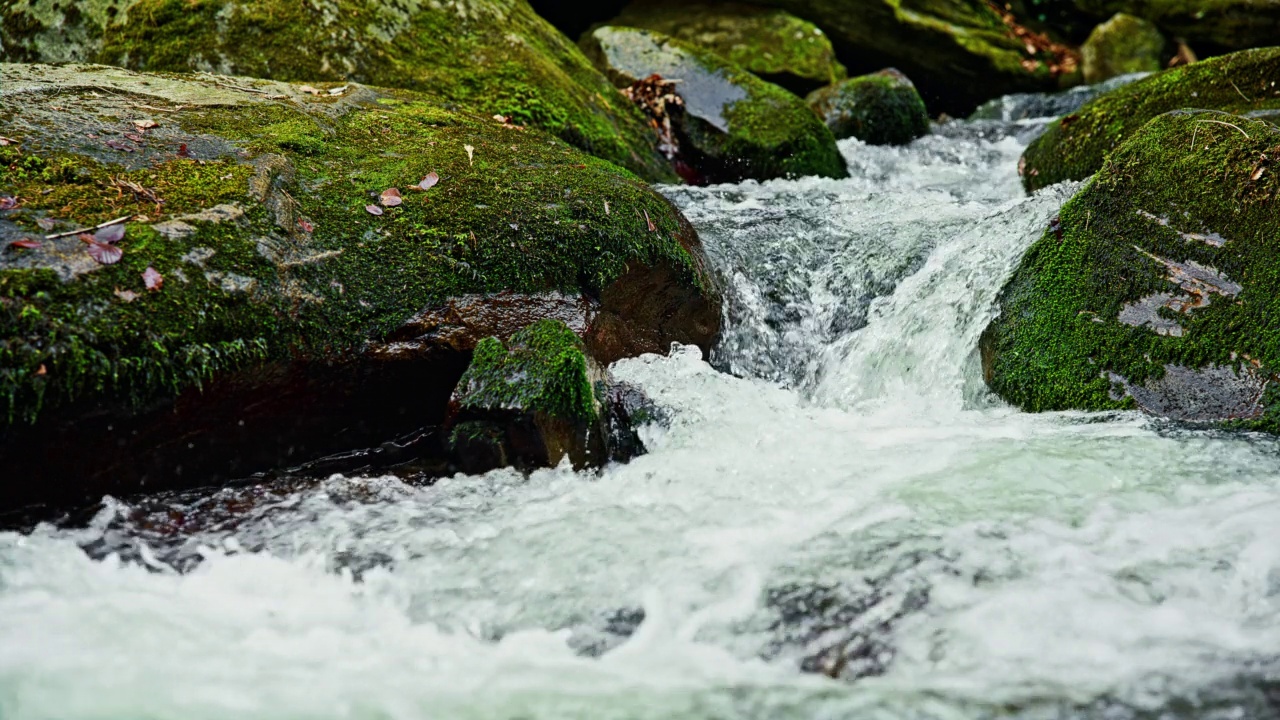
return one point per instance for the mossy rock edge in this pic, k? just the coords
(879, 109)
(277, 281)
(1158, 285)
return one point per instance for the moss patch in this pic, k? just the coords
(1234, 24)
(880, 109)
(1073, 147)
(770, 43)
(542, 369)
(301, 267)
(1210, 210)
(488, 56)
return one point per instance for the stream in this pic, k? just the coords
(835, 521)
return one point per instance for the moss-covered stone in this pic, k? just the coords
(1158, 285)
(488, 56)
(958, 52)
(1122, 45)
(880, 109)
(1232, 24)
(254, 195)
(734, 125)
(1073, 147)
(773, 44)
(541, 369)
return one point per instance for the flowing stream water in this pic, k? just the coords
(836, 521)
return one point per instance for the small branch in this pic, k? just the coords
(1219, 122)
(1246, 97)
(85, 230)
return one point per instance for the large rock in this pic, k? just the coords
(959, 53)
(1157, 285)
(772, 44)
(880, 109)
(733, 125)
(489, 56)
(273, 303)
(1120, 46)
(1231, 24)
(1073, 147)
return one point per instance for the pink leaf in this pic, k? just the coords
(105, 254)
(306, 226)
(8, 203)
(429, 181)
(152, 279)
(145, 124)
(25, 244)
(110, 234)
(390, 197)
(373, 209)
(46, 223)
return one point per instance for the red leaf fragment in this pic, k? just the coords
(110, 234)
(152, 279)
(46, 223)
(182, 151)
(6, 141)
(306, 226)
(105, 254)
(117, 145)
(25, 244)
(373, 209)
(390, 197)
(42, 370)
(8, 203)
(429, 181)
(85, 238)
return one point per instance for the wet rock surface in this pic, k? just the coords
(270, 304)
(1122, 45)
(879, 109)
(733, 125)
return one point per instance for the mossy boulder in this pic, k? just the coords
(494, 57)
(1158, 285)
(1122, 45)
(733, 126)
(1230, 24)
(772, 44)
(958, 52)
(317, 311)
(879, 109)
(1074, 146)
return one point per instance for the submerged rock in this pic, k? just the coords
(1073, 147)
(1231, 24)
(879, 109)
(959, 53)
(1122, 45)
(275, 301)
(733, 125)
(772, 44)
(494, 57)
(1033, 106)
(1156, 286)
(538, 399)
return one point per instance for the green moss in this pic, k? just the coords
(880, 109)
(1073, 147)
(1122, 45)
(772, 44)
(488, 56)
(734, 125)
(1233, 24)
(543, 369)
(1058, 333)
(524, 212)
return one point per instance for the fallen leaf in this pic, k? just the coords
(25, 244)
(145, 124)
(470, 153)
(429, 181)
(652, 227)
(4, 141)
(306, 226)
(85, 238)
(152, 279)
(308, 89)
(126, 295)
(117, 145)
(135, 138)
(1257, 173)
(8, 203)
(105, 254)
(390, 197)
(42, 370)
(45, 223)
(110, 234)
(606, 208)
(373, 209)
(182, 151)
(334, 92)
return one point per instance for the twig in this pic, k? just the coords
(157, 109)
(1193, 138)
(228, 86)
(1246, 97)
(1242, 132)
(84, 230)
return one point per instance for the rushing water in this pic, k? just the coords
(838, 523)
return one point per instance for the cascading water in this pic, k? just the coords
(842, 525)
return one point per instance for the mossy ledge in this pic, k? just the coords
(269, 256)
(541, 369)
(485, 56)
(1158, 285)
(1074, 146)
